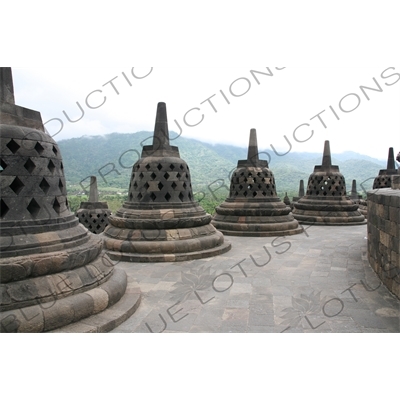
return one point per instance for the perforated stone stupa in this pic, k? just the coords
(161, 221)
(93, 214)
(253, 207)
(384, 179)
(326, 201)
(357, 199)
(52, 270)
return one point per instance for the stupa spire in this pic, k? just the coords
(6, 86)
(327, 157)
(391, 165)
(161, 132)
(301, 189)
(94, 193)
(252, 155)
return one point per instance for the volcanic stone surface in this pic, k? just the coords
(93, 214)
(161, 221)
(326, 202)
(253, 207)
(52, 269)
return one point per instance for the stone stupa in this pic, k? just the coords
(253, 207)
(326, 201)
(93, 214)
(357, 199)
(53, 272)
(384, 179)
(161, 221)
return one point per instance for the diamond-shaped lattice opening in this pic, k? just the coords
(153, 176)
(159, 167)
(245, 194)
(178, 175)
(184, 185)
(62, 166)
(3, 209)
(254, 194)
(148, 167)
(181, 196)
(168, 197)
(17, 185)
(39, 148)
(146, 185)
(33, 208)
(131, 197)
(140, 196)
(29, 165)
(190, 196)
(51, 166)
(3, 165)
(166, 175)
(240, 187)
(160, 186)
(174, 185)
(56, 206)
(13, 146)
(172, 166)
(153, 197)
(60, 185)
(264, 193)
(44, 185)
(141, 176)
(182, 167)
(55, 151)
(135, 185)
(236, 194)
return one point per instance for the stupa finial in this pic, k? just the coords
(161, 132)
(391, 165)
(327, 157)
(253, 147)
(94, 193)
(6, 86)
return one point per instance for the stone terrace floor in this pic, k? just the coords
(318, 281)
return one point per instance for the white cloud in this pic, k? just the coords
(275, 106)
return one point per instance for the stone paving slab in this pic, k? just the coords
(318, 282)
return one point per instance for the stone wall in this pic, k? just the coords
(384, 236)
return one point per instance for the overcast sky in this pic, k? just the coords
(275, 105)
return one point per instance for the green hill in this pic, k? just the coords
(112, 156)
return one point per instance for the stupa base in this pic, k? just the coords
(330, 221)
(173, 257)
(49, 316)
(256, 231)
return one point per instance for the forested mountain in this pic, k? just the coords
(111, 157)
